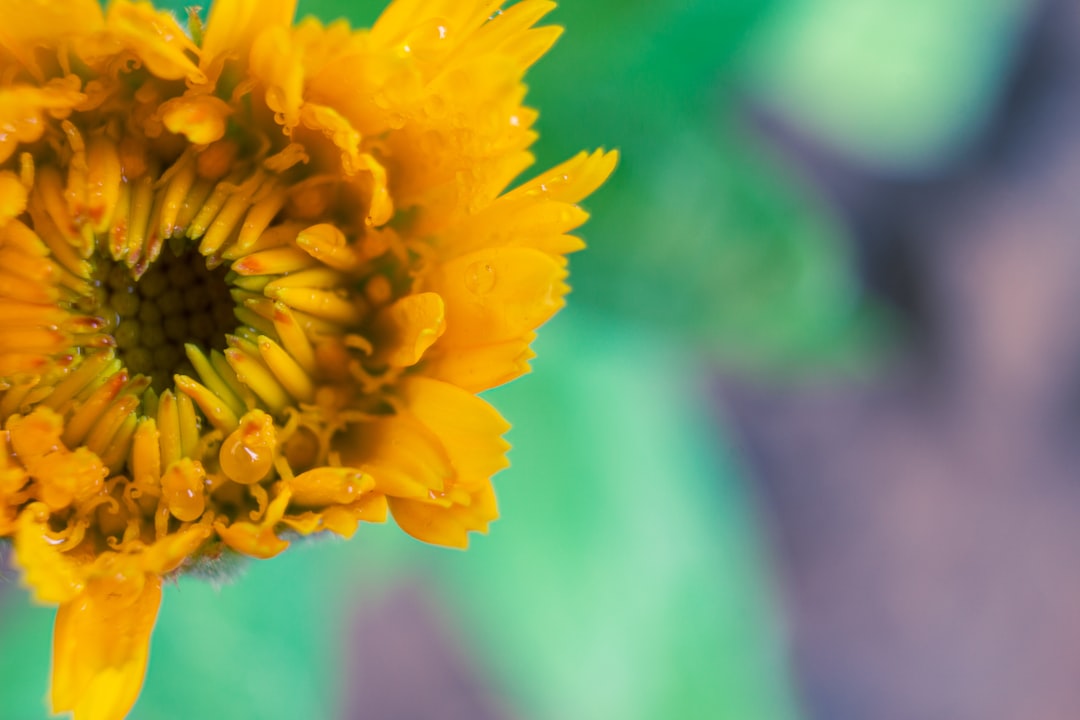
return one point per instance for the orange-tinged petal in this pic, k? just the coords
(329, 486)
(497, 294)
(258, 539)
(101, 644)
(170, 552)
(469, 428)
(404, 457)
(405, 330)
(445, 525)
(343, 521)
(481, 367)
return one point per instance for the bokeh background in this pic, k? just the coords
(801, 446)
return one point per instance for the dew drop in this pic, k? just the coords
(248, 452)
(480, 278)
(423, 40)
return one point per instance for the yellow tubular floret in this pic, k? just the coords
(288, 372)
(260, 216)
(168, 422)
(216, 384)
(182, 179)
(254, 314)
(216, 410)
(81, 421)
(293, 338)
(244, 359)
(146, 456)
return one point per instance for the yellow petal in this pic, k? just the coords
(35, 435)
(67, 477)
(233, 25)
(518, 222)
(22, 110)
(156, 38)
(12, 196)
(572, 180)
(12, 476)
(101, 643)
(328, 243)
(280, 68)
(431, 26)
(51, 574)
(375, 190)
(336, 128)
(28, 24)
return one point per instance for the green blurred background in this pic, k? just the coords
(630, 574)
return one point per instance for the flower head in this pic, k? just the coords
(251, 280)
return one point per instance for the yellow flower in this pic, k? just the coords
(251, 280)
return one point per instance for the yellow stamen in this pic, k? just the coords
(251, 371)
(213, 407)
(335, 306)
(293, 338)
(288, 372)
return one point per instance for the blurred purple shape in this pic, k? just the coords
(928, 521)
(406, 664)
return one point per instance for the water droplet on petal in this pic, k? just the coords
(248, 453)
(480, 277)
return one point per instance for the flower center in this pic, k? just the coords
(176, 302)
